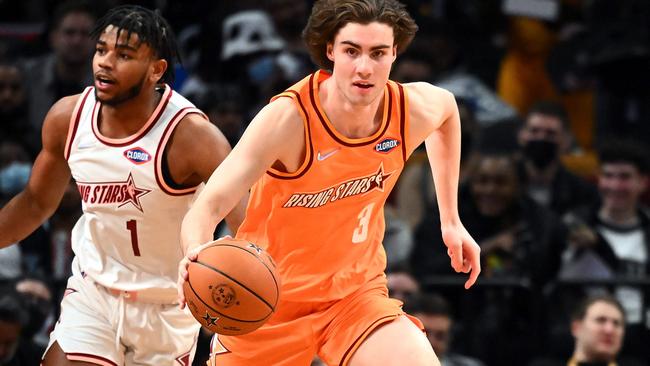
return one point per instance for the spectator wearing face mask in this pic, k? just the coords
(543, 138)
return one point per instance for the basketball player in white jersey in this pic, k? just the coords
(137, 151)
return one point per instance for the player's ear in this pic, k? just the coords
(158, 68)
(329, 51)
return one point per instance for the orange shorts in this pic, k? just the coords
(299, 330)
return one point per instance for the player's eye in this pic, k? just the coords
(351, 51)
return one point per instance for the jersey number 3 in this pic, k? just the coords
(132, 226)
(360, 234)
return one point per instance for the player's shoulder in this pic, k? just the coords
(427, 92)
(429, 101)
(282, 111)
(61, 111)
(195, 129)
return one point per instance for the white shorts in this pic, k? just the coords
(100, 327)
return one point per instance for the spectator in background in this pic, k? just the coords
(67, 69)
(518, 237)
(33, 255)
(433, 311)
(15, 350)
(521, 244)
(611, 237)
(37, 298)
(401, 284)
(598, 327)
(14, 123)
(543, 138)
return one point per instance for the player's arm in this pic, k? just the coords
(435, 120)
(275, 134)
(47, 182)
(195, 150)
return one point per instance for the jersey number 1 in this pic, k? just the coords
(132, 226)
(360, 234)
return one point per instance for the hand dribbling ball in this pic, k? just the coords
(233, 287)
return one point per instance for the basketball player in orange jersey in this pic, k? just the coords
(137, 151)
(322, 158)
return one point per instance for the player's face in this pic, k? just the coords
(123, 66)
(600, 333)
(363, 55)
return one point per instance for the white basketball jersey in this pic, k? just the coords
(128, 237)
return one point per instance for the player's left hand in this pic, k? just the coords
(463, 250)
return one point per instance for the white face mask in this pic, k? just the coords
(14, 177)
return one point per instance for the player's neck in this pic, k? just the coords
(127, 118)
(351, 120)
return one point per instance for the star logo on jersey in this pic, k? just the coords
(210, 320)
(110, 193)
(133, 194)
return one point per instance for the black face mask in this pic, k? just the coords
(541, 152)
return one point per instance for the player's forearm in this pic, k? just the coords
(199, 223)
(443, 150)
(19, 218)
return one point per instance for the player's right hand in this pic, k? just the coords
(191, 256)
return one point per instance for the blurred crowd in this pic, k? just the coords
(555, 112)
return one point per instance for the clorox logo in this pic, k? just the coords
(137, 155)
(386, 145)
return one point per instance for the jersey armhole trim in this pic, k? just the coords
(75, 118)
(309, 150)
(171, 126)
(404, 120)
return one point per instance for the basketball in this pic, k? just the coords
(233, 287)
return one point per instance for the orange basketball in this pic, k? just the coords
(233, 287)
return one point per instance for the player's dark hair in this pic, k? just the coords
(151, 28)
(329, 16)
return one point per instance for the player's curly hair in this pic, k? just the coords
(151, 28)
(328, 16)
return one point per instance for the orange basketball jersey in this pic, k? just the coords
(324, 223)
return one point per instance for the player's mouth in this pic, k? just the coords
(103, 81)
(363, 85)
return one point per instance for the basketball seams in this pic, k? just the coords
(275, 281)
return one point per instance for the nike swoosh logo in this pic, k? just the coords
(326, 155)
